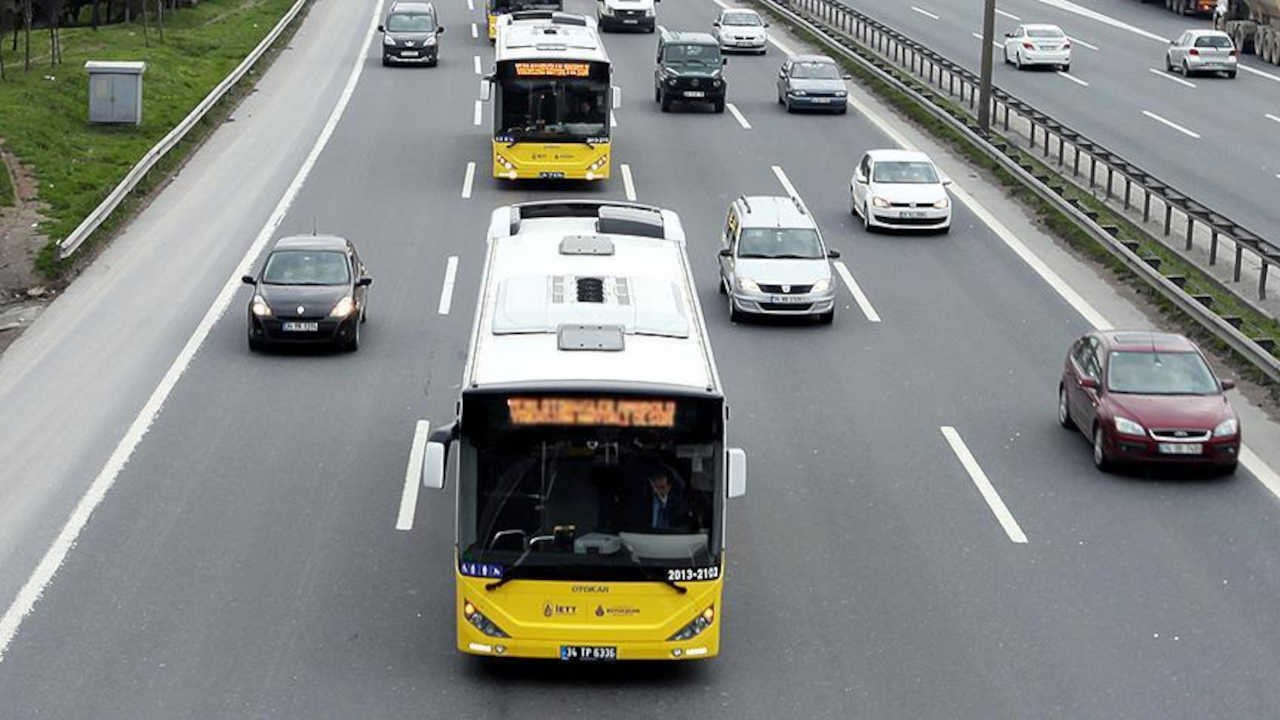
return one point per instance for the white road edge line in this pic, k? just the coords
(1164, 74)
(471, 5)
(1011, 16)
(1073, 79)
(446, 290)
(858, 296)
(53, 558)
(412, 477)
(1258, 72)
(1273, 117)
(628, 185)
(475, 117)
(1170, 123)
(1078, 41)
(925, 13)
(476, 58)
(984, 485)
(475, 31)
(468, 179)
(741, 120)
(994, 44)
(786, 182)
(1254, 464)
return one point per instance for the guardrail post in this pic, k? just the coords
(1213, 247)
(1093, 170)
(1006, 116)
(1061, 148)
(1262, 279)
(1110, 173)
(1235, 275)
(1127, 185)
(1146, 205)
(1191, 227)
(1168, 217)
(1033, 131)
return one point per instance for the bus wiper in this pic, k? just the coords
(672, 583)
(507, 576)
(650, 576)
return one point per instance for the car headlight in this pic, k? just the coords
(649, 12)
(260, 306)
(1227, 428)
(696, 626)
(821, 286)
(431, 40)
(879, 202)
(344, 307)
(944, 202)
(715, 83)
(749, 285)
(606, 10)
(1125, 426)
(841, 93)
(671, 81)
(388, 40)
(480, 622)
(798, 93)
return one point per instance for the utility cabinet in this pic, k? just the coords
(115, 91)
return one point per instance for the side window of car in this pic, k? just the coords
(866, 167)
(731, 228)
(1092, 365)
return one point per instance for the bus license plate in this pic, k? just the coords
(694, 93)
(1181, 448)
(551, 175)
(588, 653)
(301, 326)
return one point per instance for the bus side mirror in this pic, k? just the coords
(617, 97)
(484, 87)
(737, 472)
(437, 454)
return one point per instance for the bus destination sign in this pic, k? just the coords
(614, 412)
(553, 69)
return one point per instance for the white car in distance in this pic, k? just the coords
(1038, 44)
(900, 190)
(741, 29)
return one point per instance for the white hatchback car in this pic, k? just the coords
(1202, 51)
(901, 190)
(1038, 45)
(741, 29)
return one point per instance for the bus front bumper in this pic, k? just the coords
(706, 645)
(506, 168)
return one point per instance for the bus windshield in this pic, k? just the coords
(504, 6)
(553, 109)
(590, 488)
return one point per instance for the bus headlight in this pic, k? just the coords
(480, 622)
(260, 307)
(599, 163)
(696, 626)
(505, 163)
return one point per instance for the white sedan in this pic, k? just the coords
(741, 29)
(1038, 45)
(900, 189)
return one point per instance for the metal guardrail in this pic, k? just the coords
(94, 220)
(841, 18)
(1044, 130)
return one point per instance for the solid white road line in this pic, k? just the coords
(1071, 7)
(1073, 79)
(1171, 124)
(446, 291)
(741, 120)
(412, 476)
(926, 13)
(476, 58)
(628, 185)
(984, 485)
(475, 31)
(786, 182)
(1257, 72)
(106, 477)
(858, 296)
(471, 4)
(1273, 117)
(468, 179)
(994, 44)
(1167, 76)
(475, 117)
(1261, 470)
(1078, 41)
(1011, 16)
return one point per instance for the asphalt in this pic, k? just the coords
(1234, 164)
(246, 563)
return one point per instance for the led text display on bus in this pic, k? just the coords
(553, 69)
(603, 411)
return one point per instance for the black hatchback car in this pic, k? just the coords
(689, 68)
(409, 34)
(312, 289)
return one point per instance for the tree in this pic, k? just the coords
(26, 31)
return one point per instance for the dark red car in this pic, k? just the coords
(1147, 397)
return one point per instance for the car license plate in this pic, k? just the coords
(788, 299)
(301, 326)
(551, 175)
(630, 21)
(1181, 448)
(694, 93)
(821, 100)
(588, 653)
(911, 214)
(409, 53)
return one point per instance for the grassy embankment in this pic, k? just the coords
(44, 112)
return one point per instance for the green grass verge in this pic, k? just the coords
(1224, 303)
(44, 112)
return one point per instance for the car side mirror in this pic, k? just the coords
(726, 252)
(846, 76)
(1228, 384)
(833, 254)
(737, 472)
(766, 24)
(249, 280)
(1089, 383)
(1173, 42)
(946, 180)
(859, 178)
(724, 61)
(381, 29)
(782, 73)
(440, 30)
(365, 281)
(715, 24)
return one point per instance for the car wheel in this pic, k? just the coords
(1226, 470)
(1066, 68)
(386, 61)
(657, 94)
(256, 345)
(1186, 69)
(853, 204)
(1064, 410)
(734, 314)
(364, 314)
(866, 217)
(720, 285)
(1006, 55)
(1168, 63)
(780, 100)
(1017, 60)
(1100, 459)
(787, 104)
(719, 106)
(844, 109)
(353, 344)
(1231, 74)
(764, 50)
(945, 229)
(665, 102)
(827, 317)
(434, 62)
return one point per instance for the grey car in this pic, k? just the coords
(812, 82)
(410, 34)
(773, 260)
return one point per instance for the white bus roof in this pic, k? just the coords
(548, 39)
(591, 294)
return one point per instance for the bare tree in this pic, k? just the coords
(26, 24)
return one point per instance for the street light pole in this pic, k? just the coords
(984, 84)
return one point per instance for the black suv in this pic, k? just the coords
(409, 34)
(690, 69)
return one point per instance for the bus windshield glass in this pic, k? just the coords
(553, 101)
(591, 487)
(504, 6)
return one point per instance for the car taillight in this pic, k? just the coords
(1193, 51)
(1232, 53)
(1066, 46)
(1028, 46)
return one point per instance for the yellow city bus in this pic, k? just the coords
(588, 453)
(496, 8)
(552, 99)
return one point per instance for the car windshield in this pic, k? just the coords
(1214, 41)
(802, 243)
(748, 19)
(411, 22)
(702, 56)
(1045, 33)
(815, 71)
(905, 172)
(1147, 372)
(306, 267)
